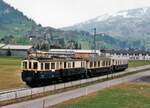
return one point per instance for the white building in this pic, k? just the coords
(130, 54)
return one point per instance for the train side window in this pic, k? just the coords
(113, 61)
(41, 66)
(25, 65)
(73, 64)
(52, 65)
(30, 65)
(57, 65)
(69, 65)
(46, 66)
(35, 65)
(103, 63)
(91, 64)
(116, 62)
(95, 64)
(98, 63)
(82, 64)
(106, 63)
(61, 65)
(65, 65)
(109, 63)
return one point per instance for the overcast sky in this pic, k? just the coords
(59, 13)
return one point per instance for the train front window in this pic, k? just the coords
(35, 65)
(30, 65)
(52, 65)
(41, 66)
(103, 63)
(65, 65)
(24, 65)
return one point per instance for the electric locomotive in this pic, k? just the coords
(41, 70)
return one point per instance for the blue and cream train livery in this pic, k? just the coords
(45, 70)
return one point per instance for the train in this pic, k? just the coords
(45, 70)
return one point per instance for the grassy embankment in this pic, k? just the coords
(10, 72)
(139, 63)
(122, 96)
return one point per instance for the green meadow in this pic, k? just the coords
(132, 95)
(10, 72)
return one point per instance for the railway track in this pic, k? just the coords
(26, 91)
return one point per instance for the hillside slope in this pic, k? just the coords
(12, 21)
(130, 25)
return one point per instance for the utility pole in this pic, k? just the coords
(94, 42)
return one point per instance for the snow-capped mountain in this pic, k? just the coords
(129, 23)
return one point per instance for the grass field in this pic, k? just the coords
(133, 95)
(10, 72)
(139, 63)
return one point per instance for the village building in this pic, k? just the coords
(130, 54)
(14, 50)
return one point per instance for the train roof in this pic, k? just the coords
(97, 58)
(53, 59)
(49, 59)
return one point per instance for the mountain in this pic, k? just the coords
(13, 22)
(130, 25)
(135, 22)
(16, 28)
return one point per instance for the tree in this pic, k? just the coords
(80, 46)
(76, 45)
